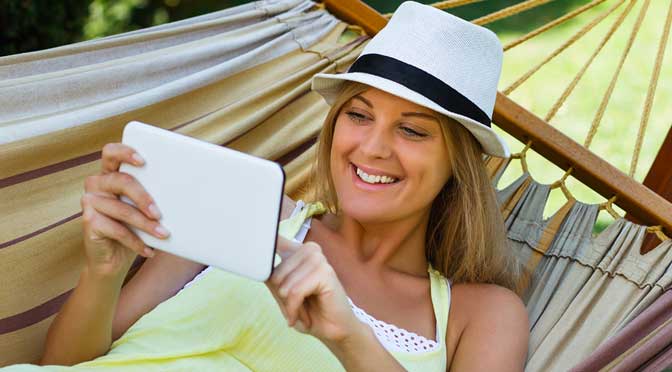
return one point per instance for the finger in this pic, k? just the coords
(287, 266)
(286, 247)
(304, 319)
(273, 287)
(123, 184)
(113, 154)
(121, 211)
(300, 285)
(102, 226)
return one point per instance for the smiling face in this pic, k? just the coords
(389, 157)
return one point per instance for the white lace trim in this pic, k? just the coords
(394, 338)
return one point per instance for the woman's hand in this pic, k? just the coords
(110, 246)
(309, 293)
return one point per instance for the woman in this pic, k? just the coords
(409, 204)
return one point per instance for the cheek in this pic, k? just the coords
(341, 145)
(430, 174)
(344, 141)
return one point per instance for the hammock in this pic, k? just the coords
(241, 78)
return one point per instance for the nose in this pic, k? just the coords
(376, 143)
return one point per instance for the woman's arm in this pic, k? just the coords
(313, 301)
(495, 337)
(158, 279)
(99, 310)
(363, 352)
(82, 329)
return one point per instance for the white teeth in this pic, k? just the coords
(374, 179)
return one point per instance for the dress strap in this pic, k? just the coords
(440, 290)
(291, 227)
(296, 226)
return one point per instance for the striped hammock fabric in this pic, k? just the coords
(241, 78)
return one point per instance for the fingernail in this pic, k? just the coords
(138, 159)
(149, 252)
(154, 210)
(161, 231)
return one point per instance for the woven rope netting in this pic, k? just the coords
(596, 70)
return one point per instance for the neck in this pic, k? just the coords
(397, 245)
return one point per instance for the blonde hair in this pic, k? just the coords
(466, 239)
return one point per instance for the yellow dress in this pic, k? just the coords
(223, 322)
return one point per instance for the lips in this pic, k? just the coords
(361, 184)
(375, 172)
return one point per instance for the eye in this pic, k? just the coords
(412, 133)
(357, 117)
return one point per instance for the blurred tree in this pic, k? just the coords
(40, 24)
(28, 25)
(109, 17)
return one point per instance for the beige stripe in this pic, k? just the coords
(298, 173)
(547, 236)
(36, 270)
(85, 139)
(508, 205)
(25, 345)
(286, 129)
(37, 203)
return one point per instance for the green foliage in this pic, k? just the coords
(109, 17)
(29, 25)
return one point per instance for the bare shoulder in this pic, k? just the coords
(494, 328)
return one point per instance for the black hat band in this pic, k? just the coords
(420, 82)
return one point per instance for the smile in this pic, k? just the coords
(372, 181)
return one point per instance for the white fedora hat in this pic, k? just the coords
(436, 60)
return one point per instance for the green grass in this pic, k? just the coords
(615, 138)
(617, 132)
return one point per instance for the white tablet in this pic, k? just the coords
(221, 206)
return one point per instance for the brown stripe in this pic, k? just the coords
(34, 315)
(66, 164)
(40, 231)
(53, 168)
(47, 309)
(51, 307)
(283, 160)
(288, 157)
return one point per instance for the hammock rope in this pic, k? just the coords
(608, 93)
(522, 156)
(570, 88)
(443, 5)
(561, 183)
(562, 47)
(609, 207)
(651, 92)
(509, 11)
(658, 230)
(552, 24)
(567, 92)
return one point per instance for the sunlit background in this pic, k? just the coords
(34, 25)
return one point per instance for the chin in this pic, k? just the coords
(367, 209)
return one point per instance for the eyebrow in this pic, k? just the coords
(418, 114)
